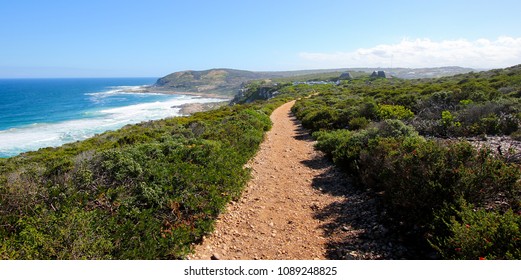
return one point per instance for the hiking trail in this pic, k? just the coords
(295, 207)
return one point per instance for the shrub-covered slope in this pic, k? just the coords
(397, 138)
(222, 81)
(146, 191)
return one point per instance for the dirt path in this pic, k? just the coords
(295, 207)
(274, 219)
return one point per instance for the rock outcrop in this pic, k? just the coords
(345, 76)
(380, 74)
(249, 94)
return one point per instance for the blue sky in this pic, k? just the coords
(112, 38)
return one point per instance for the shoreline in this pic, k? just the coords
(26, 138)
(191, 108)
(152, 89)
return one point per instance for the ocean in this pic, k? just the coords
(37, 113)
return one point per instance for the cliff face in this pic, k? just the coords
(222, 81)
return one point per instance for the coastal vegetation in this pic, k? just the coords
(151, 190)
(146, 191)
(406, 141)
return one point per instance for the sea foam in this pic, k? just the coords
(32, 137)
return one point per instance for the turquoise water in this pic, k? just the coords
(37, 113)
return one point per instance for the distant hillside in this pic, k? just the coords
(419, 73)
(229, 81)
(403, 73)
(222, 81)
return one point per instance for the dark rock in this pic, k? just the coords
(380, 74)
(345, 76)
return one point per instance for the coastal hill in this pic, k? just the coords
(227, 82)
(223, 81)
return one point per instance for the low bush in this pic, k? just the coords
(398, 112)
(480, 234)
(420, 178)
(358, 123)
(345, 146)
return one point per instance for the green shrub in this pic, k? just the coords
(358, 123)
(345, 147)
(413, 174)
(324, 118)
(395, 129)
(447, 120)
(399, 112)
(447, 125)
(466, 102)
(369, 110)
(481, 234)
(496, 118)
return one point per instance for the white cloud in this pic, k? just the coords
(482, 53)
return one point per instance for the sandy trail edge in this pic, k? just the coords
(275, 218)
